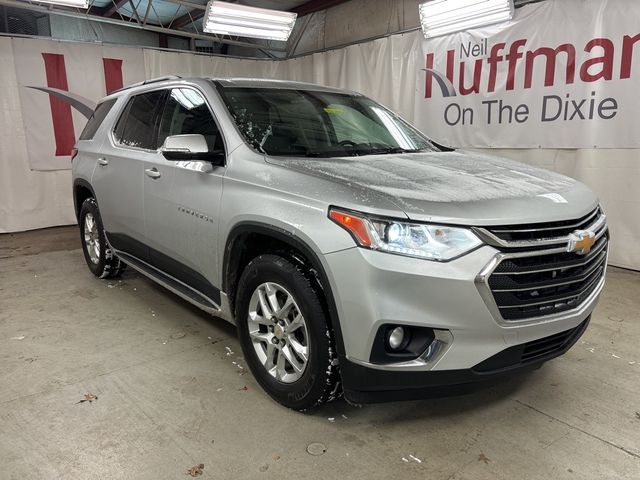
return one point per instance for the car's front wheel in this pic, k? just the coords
(99, 256)
(284, 333)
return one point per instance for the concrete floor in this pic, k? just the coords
(171, 394)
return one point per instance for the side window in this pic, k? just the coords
(186, 112)
(136, 126)
(96, 119)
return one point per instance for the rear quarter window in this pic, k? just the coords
(99, 114)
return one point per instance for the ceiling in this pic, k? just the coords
(164, 12)
(185, 15)
(181, 18)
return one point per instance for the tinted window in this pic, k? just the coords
(136, 126)
(186, 112)
(96, 119)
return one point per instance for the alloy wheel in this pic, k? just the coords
(278, 332)
(91, 238)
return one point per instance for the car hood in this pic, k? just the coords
(460, 187)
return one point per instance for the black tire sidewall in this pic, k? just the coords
(90, 206)
(309, 389)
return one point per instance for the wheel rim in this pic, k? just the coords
(91, 238)
(278, 332)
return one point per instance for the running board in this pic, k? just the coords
(183, 291)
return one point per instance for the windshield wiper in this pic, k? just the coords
(352, 152)
(396, 150)
(356, 152)
(302, 153)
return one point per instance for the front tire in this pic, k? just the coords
(99, 256)
(284, 334)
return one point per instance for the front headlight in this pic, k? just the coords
(430, 242)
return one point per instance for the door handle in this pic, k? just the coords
(152, 173)
(103, 162)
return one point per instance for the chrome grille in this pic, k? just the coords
(525, 287)
(527, 283)
(540, 231)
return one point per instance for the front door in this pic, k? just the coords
(182, 199)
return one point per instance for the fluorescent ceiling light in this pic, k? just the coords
(439, 17)
(233, 19)
(67, 3)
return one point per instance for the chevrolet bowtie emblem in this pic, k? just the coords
(581, 241)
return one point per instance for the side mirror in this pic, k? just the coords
(190, 147)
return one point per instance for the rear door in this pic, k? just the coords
(182, 199)
(118, 177)
(89, 145)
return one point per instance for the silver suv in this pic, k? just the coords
(352, 253)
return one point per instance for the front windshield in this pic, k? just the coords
(318, 124)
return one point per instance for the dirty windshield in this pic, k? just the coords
(318, 124)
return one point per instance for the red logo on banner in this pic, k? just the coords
(112, 74)
(60, 111)
(501, 56)
(61, 117)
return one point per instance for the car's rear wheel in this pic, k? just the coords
(99, 256)
(284, 333)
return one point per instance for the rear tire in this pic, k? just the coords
(99, 256)
(284, 333)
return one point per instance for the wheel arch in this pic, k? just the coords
(275, 237)
(82, 190)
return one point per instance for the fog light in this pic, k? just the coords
(396, 344)
(396, 338)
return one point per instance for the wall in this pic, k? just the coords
(355, 21)
(67, 28)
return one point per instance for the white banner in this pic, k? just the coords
(562, 74)
(50, 76)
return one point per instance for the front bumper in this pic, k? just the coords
(374, 288)
(367, 385)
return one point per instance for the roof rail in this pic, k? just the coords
(161, 79)
(147, 82)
